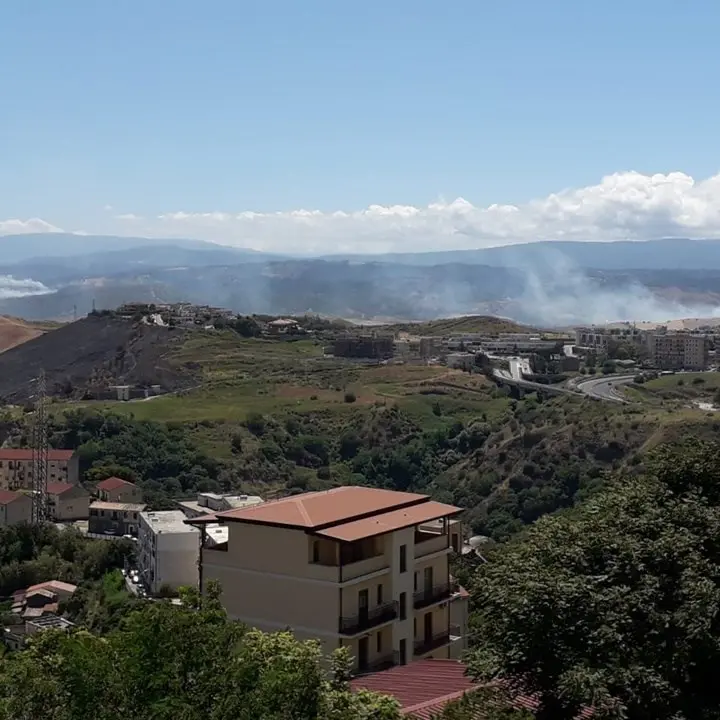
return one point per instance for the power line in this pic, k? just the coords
(40, 455)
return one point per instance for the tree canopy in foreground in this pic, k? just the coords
(615, 605)
(180, 663)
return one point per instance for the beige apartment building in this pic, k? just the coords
(117, 490)
(354, 567)
(16, 468)
(15, 508)
(67, 502)
(678, 351)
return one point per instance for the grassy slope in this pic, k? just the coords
(529, 443)
(276, 378)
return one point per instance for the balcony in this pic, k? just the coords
(432, 642)
(368, 619)
(430, 596)
(383, 662)
(430, 540)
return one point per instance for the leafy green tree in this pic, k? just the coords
(617, 604)
(169, 662)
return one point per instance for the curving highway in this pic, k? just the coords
(605, 388)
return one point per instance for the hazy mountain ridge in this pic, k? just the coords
(543, 282)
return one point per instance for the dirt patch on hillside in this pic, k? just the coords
(14, 332)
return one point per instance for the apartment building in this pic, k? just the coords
(678, 351)
(15, 508)
(354, 567)
(16, 467)
(117, 490)
(109, 518)
(167, 550)
(67, 502)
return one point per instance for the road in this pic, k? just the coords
(604, 388)
(506, 377)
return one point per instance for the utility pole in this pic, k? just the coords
(40, 455)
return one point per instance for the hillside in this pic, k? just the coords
(14, 331)
(486, 324)
(281, 417)
(92, 353)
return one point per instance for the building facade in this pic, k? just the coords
(15, 508)
(167, 550)
(67, 502)
(353, 567)
(117, 490)
(16, 468)
(107, 518)
(678, 351)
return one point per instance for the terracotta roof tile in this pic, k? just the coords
(53, 586)
(389, 521)
(25, 454)
(321, 509)
(113, 483)
(58, 488)
(423, 688)
(8, 496)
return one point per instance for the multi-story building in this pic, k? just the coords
(15, 508)
(67, 502)
(167, 550)
(16, 467)
(108, 518)
(599, 336)
(354, 567)
(117, 490)
(677, 351)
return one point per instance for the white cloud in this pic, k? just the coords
(625, 205)
(23, 227)
(622, 206)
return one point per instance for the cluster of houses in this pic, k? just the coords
(361, 568)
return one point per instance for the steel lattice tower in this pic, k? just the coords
(40, 455)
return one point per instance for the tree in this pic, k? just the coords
(616, 604)
(169, 662)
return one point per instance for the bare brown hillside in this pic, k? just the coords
(90, 354)
(14, 331)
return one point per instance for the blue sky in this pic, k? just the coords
(200, 112)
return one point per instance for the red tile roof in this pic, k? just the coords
(113, 483)
(58, 488)
(26, 454)
(53, 586)
(317, 510)
(423, 688)
(389, 521)
(8, 496)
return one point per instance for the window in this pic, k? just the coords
(403, 651)
(378, 643)
(316, 552)
(403, 608)
(403, 558)
(415, 582)
(379, 595)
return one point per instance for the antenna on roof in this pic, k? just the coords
(40, 455)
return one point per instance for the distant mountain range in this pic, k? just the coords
(55, 275)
